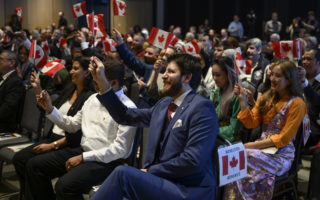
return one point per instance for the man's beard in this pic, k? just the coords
(174, 89)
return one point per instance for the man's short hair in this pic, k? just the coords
(114, 70)
(11, 56)
(255, 42)
(188, 64)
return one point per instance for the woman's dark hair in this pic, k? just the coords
(84, 63)
(226, 65)
(290, 73)
(207, 61)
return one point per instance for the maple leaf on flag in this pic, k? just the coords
(78, 9)
(121, 6)
(190, 49)
(233, 162)
(285, 46)
(161, 38)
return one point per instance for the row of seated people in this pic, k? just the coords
(222, 67)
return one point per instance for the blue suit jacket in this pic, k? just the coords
(186, 153)
(134, 63)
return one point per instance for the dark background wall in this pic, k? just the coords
(220, 12)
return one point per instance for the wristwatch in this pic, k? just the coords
(55, 145)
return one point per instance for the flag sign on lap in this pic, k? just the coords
(232, 163)
(160, 38)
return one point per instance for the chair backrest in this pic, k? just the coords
(298, 144)
(31, 117)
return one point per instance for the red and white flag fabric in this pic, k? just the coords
(6, 38)
(109, 45)
(62, 42)
(119, 8)
(36, 55)
(99, 29)
(243, 67)
(79, 9)
(174, 40)
(52, 67)
(191, 47)
(128, 38)
(45, 46)
(287, 49)
(18, 11)
(232, 163)
(160, 38)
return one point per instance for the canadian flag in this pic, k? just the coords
(229, 163)
(232, 163)
(174, 40)
(62, 42)
(6, 38)
(160, 38)
(287, 49)
(119, 8)
(109, 45)
(191, 48)
(128, 38)
(52, 67)
(242, 66)
(45, 46)
(18, 11)
(79, 9)
(36, 55)
(99, 30)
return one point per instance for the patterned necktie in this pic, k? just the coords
(172, 108)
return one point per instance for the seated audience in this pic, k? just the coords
(104, 145)
(226, 103)
(11, 92)
(69, 103)
(281, 110)
(183, 129)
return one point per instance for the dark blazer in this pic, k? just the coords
(11, 101)
(258, 73)
(185, 156)
(134, 63)
(312, 94)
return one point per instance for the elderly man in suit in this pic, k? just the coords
(182, 135)
(11, 92)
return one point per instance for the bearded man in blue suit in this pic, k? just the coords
(182, 137)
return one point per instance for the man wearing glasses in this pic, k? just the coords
(11, 92)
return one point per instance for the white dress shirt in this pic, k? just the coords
(103, 139)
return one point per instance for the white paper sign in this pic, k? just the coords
(232, 163)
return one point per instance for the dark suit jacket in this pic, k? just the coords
(185, 156)
(134, 63)
(312, 94)
(11, 101)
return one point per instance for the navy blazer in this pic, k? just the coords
(134, 63)
(186, 152)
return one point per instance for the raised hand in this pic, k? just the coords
(35, 82)
(43, 100)
(116, 36)
(96, 68)
(240, 93)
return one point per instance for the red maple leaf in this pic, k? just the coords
(285, 47)
(113, 43)
(190, 49)
(77, 9)
(38, 54)
(121, 6)
(161, 38)
(238, 56)
(233, 162)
